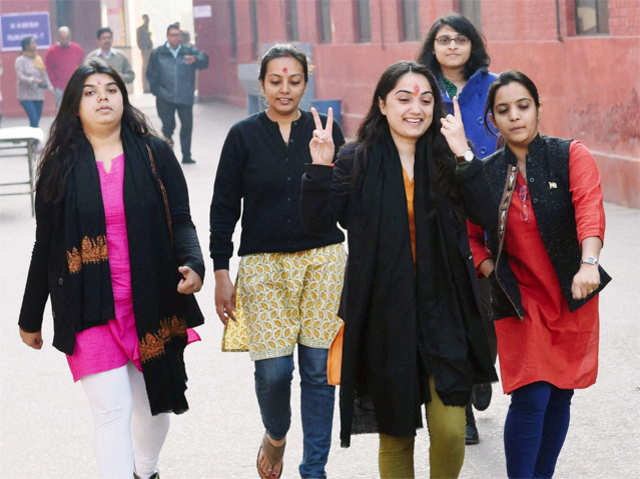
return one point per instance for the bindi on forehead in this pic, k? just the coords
(285, 70)
(416, 89)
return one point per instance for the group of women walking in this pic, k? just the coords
(429, 206)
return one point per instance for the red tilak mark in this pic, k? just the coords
(416, 90)
(284, 70)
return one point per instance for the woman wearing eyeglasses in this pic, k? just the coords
(544, 243)
(454, 50)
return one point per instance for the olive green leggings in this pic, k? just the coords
(446, 450)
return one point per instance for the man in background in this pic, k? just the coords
(145, 44)
(111, 56)
(172, 78)
(61, 60)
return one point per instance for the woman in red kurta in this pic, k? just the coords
(547, 350)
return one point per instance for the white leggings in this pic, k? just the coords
(115, 396)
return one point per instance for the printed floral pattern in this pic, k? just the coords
(284, 299)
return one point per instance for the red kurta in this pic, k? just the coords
(551, 344)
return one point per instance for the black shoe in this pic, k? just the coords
(155, 476)
(481, 396)
(188, 161)
(471, 431)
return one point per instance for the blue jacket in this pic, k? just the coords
(472, 100)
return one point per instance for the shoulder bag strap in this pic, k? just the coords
(163, 191)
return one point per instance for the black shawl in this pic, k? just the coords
(162, 315)
(401, 326)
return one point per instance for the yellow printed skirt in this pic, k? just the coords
(286, 298)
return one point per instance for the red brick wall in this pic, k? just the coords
(589, 85)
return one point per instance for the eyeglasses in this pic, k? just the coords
(524, 212)
(445, 40)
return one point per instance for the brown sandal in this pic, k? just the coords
(274, 455)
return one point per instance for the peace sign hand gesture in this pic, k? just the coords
(321, 145)
(453, 130)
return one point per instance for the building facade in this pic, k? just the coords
(584, 56)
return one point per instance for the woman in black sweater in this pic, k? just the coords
(118, 255)
(289, 281)
(413, 333)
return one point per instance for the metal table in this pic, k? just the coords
(21, 141)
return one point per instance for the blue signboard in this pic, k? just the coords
(15, 26)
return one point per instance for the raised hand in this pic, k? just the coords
(453, 130)
(321, 145)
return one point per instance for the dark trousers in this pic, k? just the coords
(535, 430)
(33, 108)
(167, 114)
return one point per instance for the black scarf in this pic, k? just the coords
(159, 310)
(414, 325)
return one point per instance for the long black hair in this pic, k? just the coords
(376, 126)
(479, 57)
(506, 77)
(66, 131)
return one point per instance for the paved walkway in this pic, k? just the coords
(45, 422)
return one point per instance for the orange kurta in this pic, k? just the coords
(551, 344)
(408, 192)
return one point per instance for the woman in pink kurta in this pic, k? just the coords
(110, 346)
(118, 256)
(544, 272)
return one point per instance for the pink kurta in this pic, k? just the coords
(112, 345)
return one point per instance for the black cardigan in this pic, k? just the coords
(261, 173)
(47, 270)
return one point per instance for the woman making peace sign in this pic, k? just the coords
(413, 333)
(289, 281)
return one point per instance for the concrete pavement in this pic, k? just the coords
(45, 422)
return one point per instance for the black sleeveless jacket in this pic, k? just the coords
(548, 183)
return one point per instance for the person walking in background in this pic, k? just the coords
(289, 281)
(111, 56)
(145, 44)
(172, 79)
(455, 52)
(31, 74)
(62, 59)
(118, 254)
(413, 331)
(544, 241)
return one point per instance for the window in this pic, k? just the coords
(234, 32)
(592, 17)
(253, 11)
(410, 20)
(324, 20)
(471, 10)
(292, 20)
(363, 19)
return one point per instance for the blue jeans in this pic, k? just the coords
(535, 430)
(33, 108)
(273, 389)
